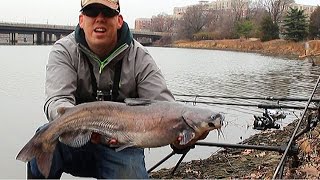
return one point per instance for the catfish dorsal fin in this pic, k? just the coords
(138, 101)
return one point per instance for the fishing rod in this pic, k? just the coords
(280, 166)
(247, 97)
(279, 149)
(263, 106)
(288, 149)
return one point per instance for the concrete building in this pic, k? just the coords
(225, 5)
(308, 9)
(230, 5)
(142, 24)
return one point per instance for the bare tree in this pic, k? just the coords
(228, 18)
(224, 26)
(239, 9)
(162, 23)
(256, 13)
(277, 8)
(314, 26)
(193, 21)
(256, 8)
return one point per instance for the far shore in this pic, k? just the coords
(278, 48)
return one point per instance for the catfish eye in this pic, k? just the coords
(217, 116)
(211, 124)
(213, 117)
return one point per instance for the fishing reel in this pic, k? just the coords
(104, 95)
(267, 120)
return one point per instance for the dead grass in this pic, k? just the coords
(277, 47)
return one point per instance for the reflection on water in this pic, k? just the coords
(203, 72)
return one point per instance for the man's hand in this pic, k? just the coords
(181, 149)
(184, 150)
(97, 138)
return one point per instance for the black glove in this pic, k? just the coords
(182, 151)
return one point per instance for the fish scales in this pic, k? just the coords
(138, 123)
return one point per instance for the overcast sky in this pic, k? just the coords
(65, 12)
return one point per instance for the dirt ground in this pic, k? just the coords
(256, 164)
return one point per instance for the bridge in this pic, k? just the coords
(45, 34)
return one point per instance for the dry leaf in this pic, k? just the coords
(261, 154)
(306, 147)
(310, 170)
(247, 151)
(315, 133)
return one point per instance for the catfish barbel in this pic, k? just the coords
(138, 122)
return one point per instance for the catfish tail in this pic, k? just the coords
(35, 149)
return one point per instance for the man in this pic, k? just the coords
(99, 61)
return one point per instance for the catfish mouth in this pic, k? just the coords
(217, 121)
(211, 125)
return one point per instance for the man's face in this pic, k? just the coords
(100, 25)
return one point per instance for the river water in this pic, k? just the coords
(187, 71)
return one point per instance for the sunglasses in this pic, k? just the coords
(95, 11)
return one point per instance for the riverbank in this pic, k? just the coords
(255, 164)
(247, 163)
(279, 47)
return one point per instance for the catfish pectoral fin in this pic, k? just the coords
(186, 137)
(75, 138)
(124, 147)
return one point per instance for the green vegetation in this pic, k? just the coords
(295, 25)
(269, 30)
(245, 28)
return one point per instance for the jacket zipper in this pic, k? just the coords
(115, 53)
(103, 64)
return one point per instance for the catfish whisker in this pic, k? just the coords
(220, 133)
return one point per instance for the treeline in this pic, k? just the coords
(264, 19)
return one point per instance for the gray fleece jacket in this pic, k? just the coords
(68, 76)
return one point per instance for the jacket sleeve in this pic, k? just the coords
(151, 83)
(60, 82)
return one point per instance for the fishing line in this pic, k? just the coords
(248, 97)
(264, 106)
(235, 101)
(219, 105)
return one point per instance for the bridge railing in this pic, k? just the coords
(43, 26)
